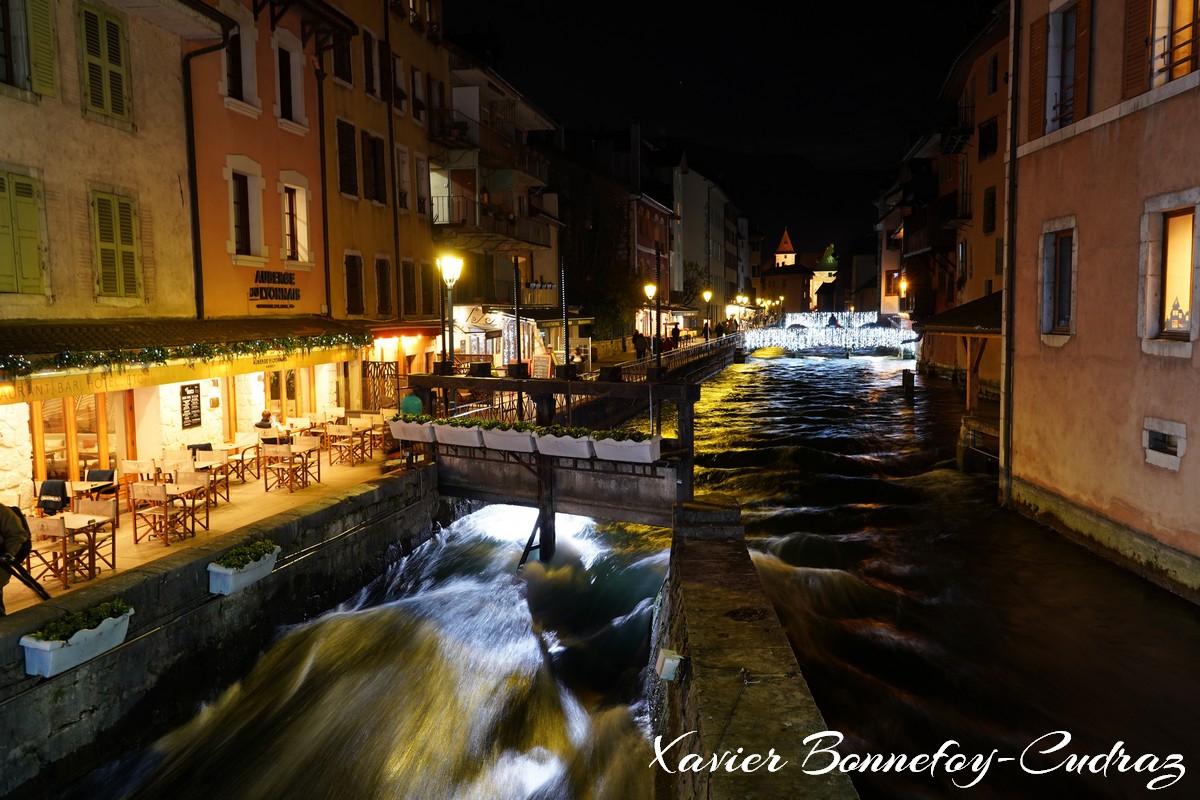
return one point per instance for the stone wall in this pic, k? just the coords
(184, 644)
(16, 452)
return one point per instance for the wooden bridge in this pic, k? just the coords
(608, 490)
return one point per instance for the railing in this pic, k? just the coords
(466, 210)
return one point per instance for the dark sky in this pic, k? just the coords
(810, 108)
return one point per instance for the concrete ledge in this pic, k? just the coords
(1172, 569)
(740, 685)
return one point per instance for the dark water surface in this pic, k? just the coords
(921, 614)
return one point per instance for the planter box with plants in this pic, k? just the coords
(565, 442)
(631, 446)
(412, 428)
(515, 437)
(460, 431)
(242, 566)
(77, 638)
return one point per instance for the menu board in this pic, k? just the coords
(189, 404)
(543, 366)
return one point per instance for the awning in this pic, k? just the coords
(980, 317)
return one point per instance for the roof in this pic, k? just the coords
(53, 337)
(785, 244)
(977, 318)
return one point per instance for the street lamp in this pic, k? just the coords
(657, 297)
(451, 268)
(707, 295)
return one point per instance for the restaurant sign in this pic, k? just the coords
(189, 405)
(274, 289)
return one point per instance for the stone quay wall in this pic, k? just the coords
(185, 645)
(738, 689)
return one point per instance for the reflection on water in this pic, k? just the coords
(920, 614)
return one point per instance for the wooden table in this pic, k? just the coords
(81, 488)
(310, 456)
(86, 525)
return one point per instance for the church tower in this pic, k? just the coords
(785, 256)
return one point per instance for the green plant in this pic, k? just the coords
(63, 629)
(516, 425)
(461, 422)
(247, 553)
(621, 435)
(417, 418)
(563, 431)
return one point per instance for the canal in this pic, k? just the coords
(920, 613)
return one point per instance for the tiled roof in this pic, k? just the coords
(979, 317)
(50, 337)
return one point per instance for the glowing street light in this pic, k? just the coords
(451, 269)
(707, 295)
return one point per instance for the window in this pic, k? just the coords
(1058, 248)
(993, 73)
(27, 53)
(989, 209)
(373, 167)
(241, 214)
(347, 159)
(285, 85)
(294, 203)
(1175, 310)
(408, 279)
(370, 68)
(893, 283)
(118, 257)
(246, 243)
(989, 138)
(383, 287)
(1164, 442)
(240, 78)
(1167, 268)
(403, 183)
(418, 97)
(105, 64)
(1059, 61)
(999, 256)
(354, 284)
(20, 234)
(399, 93)
(1174, 40)
(343, 67)
(422, 167)
(430, 286)
(289, 80)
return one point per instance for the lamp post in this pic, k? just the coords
(451, 268)
(657, 314)
(707, 295)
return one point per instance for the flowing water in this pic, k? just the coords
(920, 614)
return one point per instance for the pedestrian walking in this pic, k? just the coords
(639, 345)
(706, 331)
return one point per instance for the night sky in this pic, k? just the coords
(800, 114)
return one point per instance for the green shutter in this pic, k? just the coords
(27, 225)
(127, 245)
(43, 76)
(104, 211)
(8, 251)
(106, 78)
(117, 246)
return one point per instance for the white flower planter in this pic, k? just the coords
(513, 441)
(226, 580)
(463, 437)
(412, 431)
(565, 446)
(645, 452)
(50, 657)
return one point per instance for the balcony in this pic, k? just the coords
(500, 147)
(464, 222)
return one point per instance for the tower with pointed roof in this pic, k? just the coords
(785, 254)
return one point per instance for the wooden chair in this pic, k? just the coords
(344, 445)
(53, 496)
(311, 462)
(217, 464)
(245, 462)
(280, 468)
(159, 513)
(107, 532)
(52, 552)
(200, 496)
(173, 461)
(375, 436)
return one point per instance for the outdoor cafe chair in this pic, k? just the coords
(217, 464)
(281, 468)
(103, 508)
(52, 550)
(198, 495)
(158, 512)
(308, 450)
(245, 461)
(344, 445)
(53, 497)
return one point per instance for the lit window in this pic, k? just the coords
(244, 177)
(1058, 280)
(1174, 46)
(294, 201)
(1176, 309)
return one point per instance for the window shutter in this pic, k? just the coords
(115, 62)
(354, 285)
(93, 61)
(347, 159)
(369, 52)
(368, 167)
(1136, 77)
(383, 287)
(1037, 77)
(127, 247)
(42, 62)
(27, 233)
(106, 82)
(8, 245)
(385, 60)
(106, 244)
(1083, 57)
